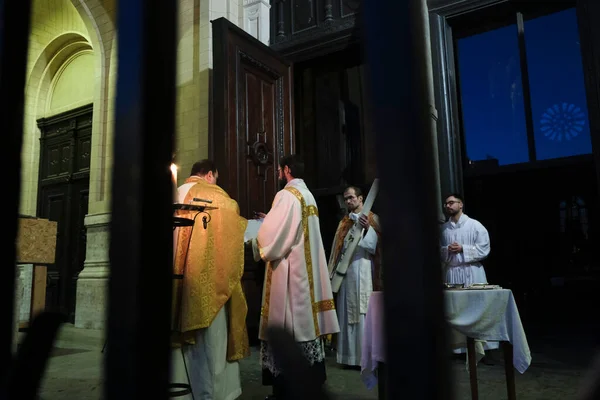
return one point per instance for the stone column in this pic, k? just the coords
(92, 284)
(17, 306)
(256, 19)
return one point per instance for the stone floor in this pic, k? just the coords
(74, 370)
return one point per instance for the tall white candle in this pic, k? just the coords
(174, 179)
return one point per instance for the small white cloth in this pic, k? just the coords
(252, 229)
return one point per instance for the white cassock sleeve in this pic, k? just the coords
(481, 248)
(279, 231)
(369, 241)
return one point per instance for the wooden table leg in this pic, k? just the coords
(472, 357)
(509, 370)
(38, 291)
(381, 381)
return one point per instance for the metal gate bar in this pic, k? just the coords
(138, 354)
(14, 39)
(417, 357)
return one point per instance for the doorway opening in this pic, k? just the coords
(63, 196)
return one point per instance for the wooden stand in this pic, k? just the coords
(36, 244)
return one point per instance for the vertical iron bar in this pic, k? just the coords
(138, 351)
(526, 87)
(14, 38)
(588, 13)
(412, 271)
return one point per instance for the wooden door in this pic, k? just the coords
(252, 128)
(252, 116)
(63, 196)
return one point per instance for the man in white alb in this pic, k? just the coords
(297, 293)
(362, 277)
(464, 244)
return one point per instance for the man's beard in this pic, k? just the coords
(281, 183)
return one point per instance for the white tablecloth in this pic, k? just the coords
(490, 315)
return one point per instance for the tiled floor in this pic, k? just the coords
(74, 372)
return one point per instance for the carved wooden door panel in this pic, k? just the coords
(65, 147)
(252, 116)
(252, 119)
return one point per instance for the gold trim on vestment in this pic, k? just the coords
(260, 251)
(324, 305)
(307, 254)
(264, 310)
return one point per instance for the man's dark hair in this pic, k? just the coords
(457, 196)
(357, 191)
(295, 163)
(203, 167)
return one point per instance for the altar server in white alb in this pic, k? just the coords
(362, 276)
(297, 293)
(464, 244)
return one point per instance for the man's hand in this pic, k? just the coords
(455, 248)
(363, 220)
(260, 215)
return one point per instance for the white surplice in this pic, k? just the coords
(211, 376)
(353, 297)
(465, 267)
(297, 292)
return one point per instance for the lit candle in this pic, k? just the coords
(174, 179)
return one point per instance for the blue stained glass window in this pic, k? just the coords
(558, 99)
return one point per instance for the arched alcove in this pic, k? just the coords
(72, 85)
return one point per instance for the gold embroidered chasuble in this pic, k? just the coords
(213, 272)
(297, 292)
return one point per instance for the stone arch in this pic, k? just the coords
(58, 51)
(101, 27)
(100, 38)
(60, 58)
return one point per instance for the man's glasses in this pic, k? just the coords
(451, 203)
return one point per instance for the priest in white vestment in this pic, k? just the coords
(464, 244)
(210, 335)
(297, 292)
(362, 276)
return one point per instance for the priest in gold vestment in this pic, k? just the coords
(210, 322)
